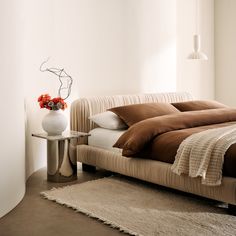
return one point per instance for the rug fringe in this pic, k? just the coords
(90, 214)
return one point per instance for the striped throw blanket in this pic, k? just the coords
(202, 154)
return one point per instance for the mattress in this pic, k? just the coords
(105, 138)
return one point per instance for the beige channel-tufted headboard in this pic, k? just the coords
(83, 108)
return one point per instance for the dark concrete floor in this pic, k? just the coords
(36, 216)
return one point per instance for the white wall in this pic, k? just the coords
(12, 158)
(129, 46)
(90, 39)
(196, 77)
(37, 33)
(117, 46)
(150, 45)
(225, 48)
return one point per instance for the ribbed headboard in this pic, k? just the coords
(82, 108)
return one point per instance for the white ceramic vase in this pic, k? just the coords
(54, 123)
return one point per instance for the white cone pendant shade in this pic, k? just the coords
(197, 54)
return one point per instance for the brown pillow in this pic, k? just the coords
(132, 114)
(198, 105)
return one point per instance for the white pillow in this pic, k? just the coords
(108, 120)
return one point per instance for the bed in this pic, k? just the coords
(106, 157)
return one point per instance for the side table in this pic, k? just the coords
(61, 167)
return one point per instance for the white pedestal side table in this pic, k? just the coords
(61, 167)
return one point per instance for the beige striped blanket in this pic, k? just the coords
(202, 154)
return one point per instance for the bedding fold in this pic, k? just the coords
(139, 135)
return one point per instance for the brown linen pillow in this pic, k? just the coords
(198, 105)
(132, 114)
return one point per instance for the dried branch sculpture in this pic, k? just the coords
(64, 79)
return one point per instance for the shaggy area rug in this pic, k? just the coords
(143, 209)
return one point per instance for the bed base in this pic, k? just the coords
(88, 168)
(232, 209)
(158, 173)
(92, 169)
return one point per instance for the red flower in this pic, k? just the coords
(44, 98)
(40, 98)
(41, 104)
(56, 100)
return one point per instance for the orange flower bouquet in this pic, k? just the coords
(57, 103)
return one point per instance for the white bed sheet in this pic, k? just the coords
(105, 138)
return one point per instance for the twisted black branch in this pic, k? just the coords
(61, 74)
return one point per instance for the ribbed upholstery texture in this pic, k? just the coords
(148, 170)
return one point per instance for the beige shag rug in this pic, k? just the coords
(142, 209)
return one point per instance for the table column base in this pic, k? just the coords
(58, 178)
(60, 168)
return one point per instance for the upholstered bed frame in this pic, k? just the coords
(144, 169)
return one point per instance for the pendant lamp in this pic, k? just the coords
(197, 54)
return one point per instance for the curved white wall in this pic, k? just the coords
(37, 45)
(117, 46)
(12, 145)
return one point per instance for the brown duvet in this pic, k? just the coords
(158, 138)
